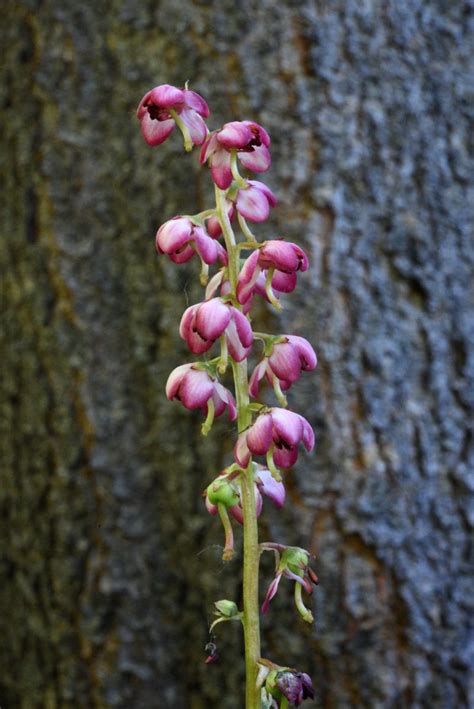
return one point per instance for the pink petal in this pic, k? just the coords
(259, 436)
(222, 254)
(187, 331)
(252, 204)
(259, 131)
(212, 318)
(220, 168)
(248, 277)
(272, 200)
(142, 106)
(271, 488)
(244, 329)
(259, 160)
(195, 124)
(308, 435)
(196, 389)
(257, 374)
(288, 426)
(237, 513)
(212, 509)
(173, 234)
(195, 101)
(236, 349)
(305, 351)
(271, 592)
(155, 132)
(182, 256)
(166, 96)
(285, 457)
(205, 246)
(175, 379)
(285, 362)
(213, 227)
(209, 147)
(186, 321)
(242, 454)
(279, 254)
(234, 135)
(225, 396)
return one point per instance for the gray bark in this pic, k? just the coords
(109, 564)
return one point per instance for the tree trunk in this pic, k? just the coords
(109, 562)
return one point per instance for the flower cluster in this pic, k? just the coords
(222, 322)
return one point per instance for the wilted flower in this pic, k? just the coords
(288, 357)
(255, 201)
(180, 239)
(282, 684)
(276, 432)
(195, 388)
(164, 106)
(275, 256)
(202, 324)
(291, 563)
(248, 139)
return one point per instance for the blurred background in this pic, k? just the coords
(109, 564)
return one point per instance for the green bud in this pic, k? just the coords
(226, 608)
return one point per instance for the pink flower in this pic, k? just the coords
(281, 283)
(251, 142)
(179, 238)
(278, 432)
(288, 358)
(265, 484)
(157, 122)
(284, 257)
(194, 388)
(202, 324)
(254, 202)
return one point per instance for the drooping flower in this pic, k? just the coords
(195, 388)
(255, 201)
(180, 239)
(281, 283)
(157, 122)
(247, 138)
(291, 563)
(283, 683)
(276, 433)
(202, 324)
(265, 484)
(275, 256)
(288, 357)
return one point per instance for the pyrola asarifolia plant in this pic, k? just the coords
(246, 270)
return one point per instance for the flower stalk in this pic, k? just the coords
(222, 320)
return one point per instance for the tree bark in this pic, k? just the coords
(109, 563)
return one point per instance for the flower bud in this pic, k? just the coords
(226, 608)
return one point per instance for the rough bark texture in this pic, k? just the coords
(109, 566)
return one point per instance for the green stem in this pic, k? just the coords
(245, 230)
(251, 618)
